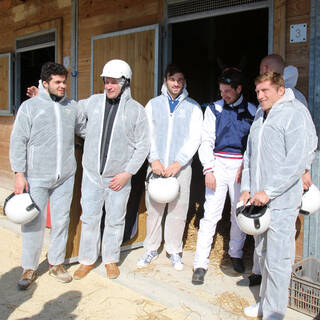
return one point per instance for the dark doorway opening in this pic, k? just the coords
(30, 67)
(197, 44)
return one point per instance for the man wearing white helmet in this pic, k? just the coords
(175, 122)
(42, 156)
(116, 145)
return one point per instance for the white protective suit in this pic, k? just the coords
(128, 148)
(279, 150)
(290, 76)
(42, 146)
(174, 137)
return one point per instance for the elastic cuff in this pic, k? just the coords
(207, 170)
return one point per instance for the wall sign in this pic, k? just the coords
(298, 33)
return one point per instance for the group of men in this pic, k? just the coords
(266, 166)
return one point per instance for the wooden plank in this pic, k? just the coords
(279, 27)
(4, 77)
(135, 48)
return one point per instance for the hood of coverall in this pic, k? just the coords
(290, 76)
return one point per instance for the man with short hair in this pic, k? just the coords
(116, 145)
(275, 63)
(278, 152)
(175, 122)
(42, 157)
(224, 136)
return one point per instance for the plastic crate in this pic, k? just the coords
(304, 289)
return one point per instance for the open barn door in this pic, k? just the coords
(139, 47)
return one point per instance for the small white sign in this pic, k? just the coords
(298, 33)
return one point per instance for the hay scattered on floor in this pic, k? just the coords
(230, 302)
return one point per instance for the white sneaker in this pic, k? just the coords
(147, 258)
(176, 261)
(253, 311)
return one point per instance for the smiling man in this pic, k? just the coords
(42, 157)
(223, 141)
(280, 146)
(175, 122)
(116, 145)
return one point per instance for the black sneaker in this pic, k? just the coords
(255, 280)
(28, 276)
(198, 276)
(237, 264)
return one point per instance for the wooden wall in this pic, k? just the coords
(286, 13)
(100, 17)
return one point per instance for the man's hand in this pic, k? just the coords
(210, 181)
(239, 174)
(172, 169)
(260, 199)
(306, 179)
(32, 91)
(21, 183)
(245, 196)
(157, 168)
(119, 180)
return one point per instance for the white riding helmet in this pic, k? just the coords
(310, 203)
(252, 219)
(116, 69)
(162, 190)
(20, 208)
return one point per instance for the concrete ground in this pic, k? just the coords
(159, 284)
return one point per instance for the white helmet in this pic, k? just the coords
(116, 69)
(252, 219)
(310, 203)
(162, 190)
(20, 208)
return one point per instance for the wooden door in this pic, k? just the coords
(139, 48)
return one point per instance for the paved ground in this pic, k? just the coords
(156, 292)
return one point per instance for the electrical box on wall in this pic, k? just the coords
(298, 33)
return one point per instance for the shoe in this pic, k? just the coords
(28, 276)
(58, 271)
(147, 258)
(82, 271)
(253, 311)
(112, 270)
(198, 276)
(176, 261)
(255, 280)
(237, 264)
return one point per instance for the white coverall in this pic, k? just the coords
(278, 152)
(128, 148)
(290, 76)
(225, 168)
(42, 146)
(174, 137)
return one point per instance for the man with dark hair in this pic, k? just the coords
(281, 145)
(175, 122)
(42, 157)
(224, 136)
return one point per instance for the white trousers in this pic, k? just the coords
(60, 197)
(175, 219)
(225, 174)
(275, 249)
(93, 197)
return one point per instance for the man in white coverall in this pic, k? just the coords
(175, 122)
(224, 136)
(275, 63)
(279, 149)
(42, 157)
(115, 147)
